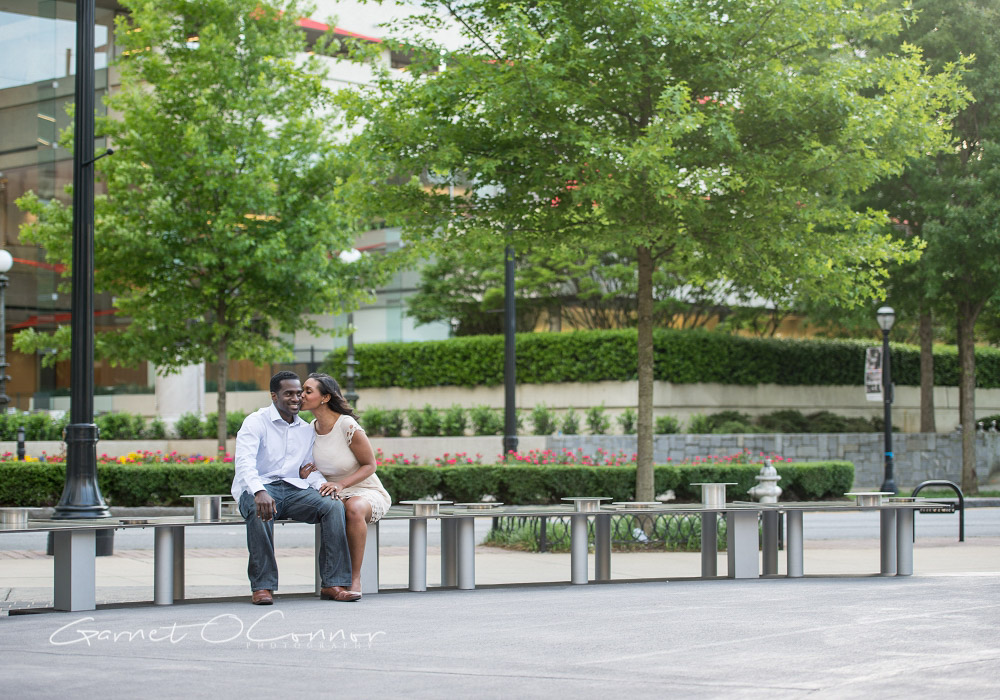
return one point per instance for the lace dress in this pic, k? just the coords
(334, 460)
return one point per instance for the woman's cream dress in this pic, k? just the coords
(334, 460)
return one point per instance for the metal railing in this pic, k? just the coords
(961, 502)
(680, 531)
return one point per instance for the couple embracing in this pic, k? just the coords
(323, 472)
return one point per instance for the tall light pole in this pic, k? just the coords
(6, 262)
(350, 257)
(510, 355)
(886, 317)
(81, 496)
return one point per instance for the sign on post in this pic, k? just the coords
(873, 374)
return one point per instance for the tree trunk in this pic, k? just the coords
(221, 375)
(927, 373)
(967, 394)
(644, 487)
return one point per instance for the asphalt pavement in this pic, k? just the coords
(843, 631)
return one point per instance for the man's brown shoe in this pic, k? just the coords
(338, 593)
(262, 597)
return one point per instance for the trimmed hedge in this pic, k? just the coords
(35, 484)
(681, 357)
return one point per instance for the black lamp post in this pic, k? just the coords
(81, 496)
(886, 317)
(6, 262)
(510, 361)
(350, 256)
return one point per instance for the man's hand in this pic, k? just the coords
(265, 505)
(306, 469)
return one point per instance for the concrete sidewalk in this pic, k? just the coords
(127, 576)
(922, 636)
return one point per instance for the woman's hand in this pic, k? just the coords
(306, 469)
(331, 489)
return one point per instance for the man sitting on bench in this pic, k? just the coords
(270, 447)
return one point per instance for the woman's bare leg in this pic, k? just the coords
(358, 512)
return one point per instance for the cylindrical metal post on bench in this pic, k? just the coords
(418, 555)
(712, 496)
(449, 552)
(793, 543)
(163, 566)
(602, 548)
(887, 540)
(769, 534)
(579, 541)
(904, 541)
(466, 550)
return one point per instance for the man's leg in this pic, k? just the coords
(308, 506)
(262, 568)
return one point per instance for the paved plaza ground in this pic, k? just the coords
(847, 633)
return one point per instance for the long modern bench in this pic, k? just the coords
(74, 542)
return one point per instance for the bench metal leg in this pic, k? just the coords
(466, 550)
(178, 563)
(709, 545)
(578, 549)
(602, 548)
(743, 548)
(369, 567)
(904, 542)
(74, 570)
(887, 540)
(163, 566)
(449, 552)
(793, 543)
(317, 546)
(769, 532)
(418, 554)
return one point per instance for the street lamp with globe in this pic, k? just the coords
(886, 318)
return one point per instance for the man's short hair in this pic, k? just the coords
(281, 376)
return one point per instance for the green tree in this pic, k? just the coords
(950, 198)
(222, 219)
(717, 137)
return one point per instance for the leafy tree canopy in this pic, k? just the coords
(222, 220)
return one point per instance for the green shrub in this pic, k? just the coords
(424, 422)
(699, 425)
(393, 422)
(680, 356)
(486, 420)
(34, 484)
(734, 427)
(120, 426)
(189, 427)
(667, 425)
(373, 420)
(570, 424)
(156, 430)
(454, 421)
(597, 420)
(627, 421)
(543, 420)
(784, 421)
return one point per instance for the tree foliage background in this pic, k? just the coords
(717, 137)
(223, 216)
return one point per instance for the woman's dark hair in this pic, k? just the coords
(328, 387)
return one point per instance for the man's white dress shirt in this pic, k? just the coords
(268, 449)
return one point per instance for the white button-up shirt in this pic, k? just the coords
(268, 449)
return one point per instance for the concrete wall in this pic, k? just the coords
(679, 400)
(919, 456)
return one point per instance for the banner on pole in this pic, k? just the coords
(873, 374)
